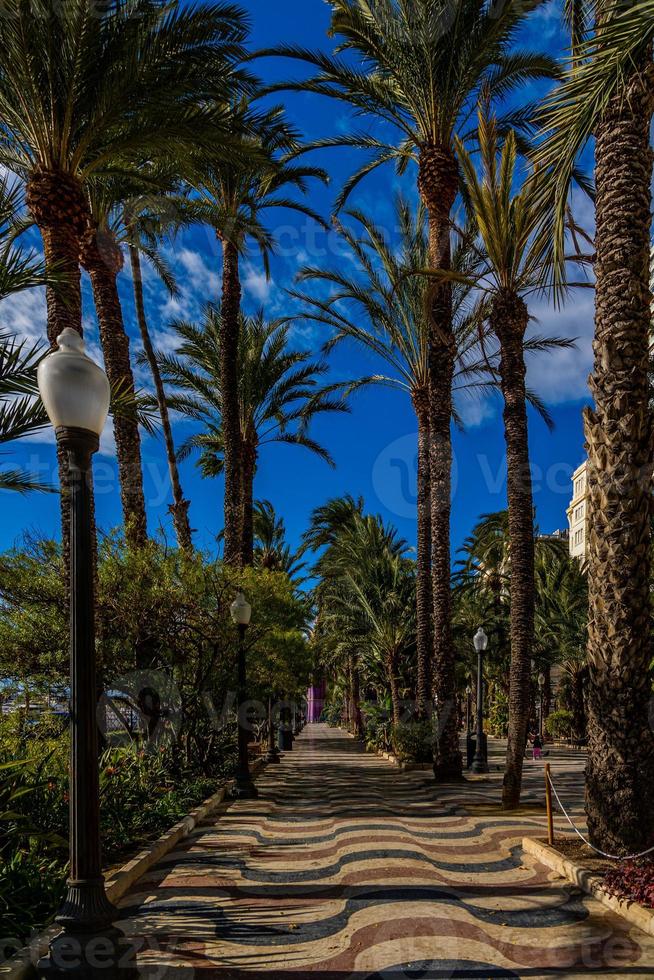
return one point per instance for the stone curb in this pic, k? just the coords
(590, 883)
(119, 881)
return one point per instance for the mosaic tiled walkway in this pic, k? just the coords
(346, 868)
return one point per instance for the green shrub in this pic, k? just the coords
(414, 741)
(559, 723)
(377, 725)
(332, 713)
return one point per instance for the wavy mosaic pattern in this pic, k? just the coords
(346, 868)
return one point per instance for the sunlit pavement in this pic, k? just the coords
(346, 867)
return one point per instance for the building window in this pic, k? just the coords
(579, 487)
(579, 537)
(579, 513)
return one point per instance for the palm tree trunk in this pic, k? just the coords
(620, 768)
(356, 697)
(577, 699)
(102, 259)
(437, 184)
(424, 610)
(58, 206)
(229, 338)
(394, 686)
(179, 507)
(509, 319)
(247, 489)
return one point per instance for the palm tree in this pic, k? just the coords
(83, 87)
(381, 307)
(423, 64)
(509, 270)
(607, 94)
(365, 596)
(234, 194)
(562, 621)
(88, 89)
(102, 258)
(279, 389)
(21, 410)
(142, 240)
(271, 550)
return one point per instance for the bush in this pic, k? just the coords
(143, 791)
(377, 725)
(632, 881)
(414, 741)
(559, 723)
(332, 713)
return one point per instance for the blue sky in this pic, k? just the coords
(374, 446)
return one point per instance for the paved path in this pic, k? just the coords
(347, 868)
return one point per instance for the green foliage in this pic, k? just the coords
(332, 712)
(414, 741)
(163, 623)
(498, 712)
(559, 724)
(378, 725)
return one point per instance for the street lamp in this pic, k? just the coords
(75, 393)
(541, 688)
(480, 761)
(244, 788)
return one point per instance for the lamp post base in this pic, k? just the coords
(272, 755)
(101, 955)
(480, 761)
(243, 788)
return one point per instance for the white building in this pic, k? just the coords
(578, 512)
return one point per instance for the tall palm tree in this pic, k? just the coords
(510, 269)
(142, 240)
(102, 258)
(381, 306)
(279, 394)
(607, 94)
(87, 89)
(83, 87)
(423, 63)
(233, 196)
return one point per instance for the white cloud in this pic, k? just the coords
(562, 375)
(24, 314)
(256, 285)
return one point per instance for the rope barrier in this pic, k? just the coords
(611, 857)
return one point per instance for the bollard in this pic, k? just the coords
(548, 803)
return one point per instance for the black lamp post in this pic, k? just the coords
(244, 788)
(75, 393)
(272, 755)
(541, 690)
(480, 761)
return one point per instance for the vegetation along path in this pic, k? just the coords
(347, 868)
